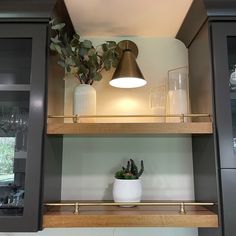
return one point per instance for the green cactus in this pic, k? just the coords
(130, 171)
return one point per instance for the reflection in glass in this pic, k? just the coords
(232, 79)
(7, 147)
(231, 42)
(158, 102)
(14, 110)
(233, 112)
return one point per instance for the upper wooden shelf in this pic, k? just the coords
(129, 128)
(139, 216)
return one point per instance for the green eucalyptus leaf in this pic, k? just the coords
(69, 50)
(89, 63)
(107, 64)
(93, 61)
(92, 52)
(76, 36)
(64, 52)
(83, 51)
(87, 44)
(82, 76)
(68, 69)
(52, 47)
(106, 54)
(58, 48)
(69, 61)
(62, 57)
(56, 39)
(82, 69)
(74, 42)
(97, 76)
(109, 54)
(52, 21)
(104, 47)
(77, 61)
(58, 26)
(115, 62)
(112, 44)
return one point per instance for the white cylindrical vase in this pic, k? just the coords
(127, 190)
(84, 100)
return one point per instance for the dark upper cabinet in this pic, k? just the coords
(209, 33)
(22, 105)
(223, 37)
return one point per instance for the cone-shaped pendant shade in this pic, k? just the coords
(128, 74)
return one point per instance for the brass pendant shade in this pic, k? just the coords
(127, 73)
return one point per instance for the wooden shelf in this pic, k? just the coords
(129, 128)
(139, 216)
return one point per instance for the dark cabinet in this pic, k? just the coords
(28, 72)
(22, 105)
(223, 41)
(209, 32)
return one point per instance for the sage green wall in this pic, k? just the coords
(89, 165)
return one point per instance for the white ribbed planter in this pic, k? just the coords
(127, 190)
(84, 100)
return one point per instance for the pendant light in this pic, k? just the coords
(127, 73)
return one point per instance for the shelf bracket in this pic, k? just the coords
(76, 211)
(182, 209)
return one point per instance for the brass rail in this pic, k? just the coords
(182, 205)
(181, 116)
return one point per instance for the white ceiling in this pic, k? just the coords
(155, 18)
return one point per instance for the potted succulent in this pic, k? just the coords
(127, 185)
(85, 62)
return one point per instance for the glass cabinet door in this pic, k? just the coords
(15, 68)
(22, 88)
(223, 46)
(14, 119)
(224, 73)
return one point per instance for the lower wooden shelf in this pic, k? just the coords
(129, 128)
(139, 216)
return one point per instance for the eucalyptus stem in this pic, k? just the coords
(82, 55)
